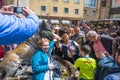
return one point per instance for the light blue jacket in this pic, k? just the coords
(16, 30)
(39, 63)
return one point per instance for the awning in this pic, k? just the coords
(65, 22)
(55, 21)
(43, 19)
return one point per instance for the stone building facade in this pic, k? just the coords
(100, 12)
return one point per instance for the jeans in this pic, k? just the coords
(114, 76)
(108, 62)
(57, 78)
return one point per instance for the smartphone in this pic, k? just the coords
(18, 10)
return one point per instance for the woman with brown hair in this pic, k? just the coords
(69, 49)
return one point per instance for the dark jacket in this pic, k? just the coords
(107, 43)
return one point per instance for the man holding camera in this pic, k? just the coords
(14, 29)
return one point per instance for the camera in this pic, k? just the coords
(18, 10)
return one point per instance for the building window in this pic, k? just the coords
(115, 3)
(77, 1)
(55, 9)
(93, 13)
(76, 11)
(43, 8)
(66, 0)
(84, 12)
(55, 0)
(104, 2)
(66, 10)
(90, 3)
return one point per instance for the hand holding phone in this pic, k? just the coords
(27, 11)
(18, 10)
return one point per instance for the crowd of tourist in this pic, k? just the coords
(90, 49)
(94, 50)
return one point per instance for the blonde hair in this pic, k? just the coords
(71, 30)
(41, 41)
